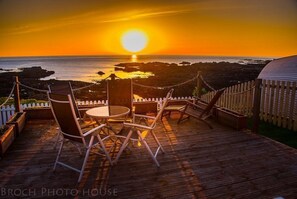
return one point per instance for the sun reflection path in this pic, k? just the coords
(134, 58)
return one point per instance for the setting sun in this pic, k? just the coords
(134, 40)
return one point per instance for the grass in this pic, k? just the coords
(279, 134)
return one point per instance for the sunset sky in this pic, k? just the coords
(175, 27)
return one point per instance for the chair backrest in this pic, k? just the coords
(164, 104)
(212, 102)
(120, 93)
(65, 88)
(64, 114)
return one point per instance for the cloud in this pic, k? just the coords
(94, 17)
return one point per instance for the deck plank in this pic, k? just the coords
(198, 163)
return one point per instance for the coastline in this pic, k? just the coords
(85, 68)
(217, 74)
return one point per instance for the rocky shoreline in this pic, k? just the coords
(218, 75)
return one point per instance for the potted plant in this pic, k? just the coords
(19, 120)
(7, 136)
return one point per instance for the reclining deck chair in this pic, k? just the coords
(64, 114)
(136, 132)
(120, 93)
(65, 88)
(198, 112)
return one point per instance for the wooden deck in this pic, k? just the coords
(199, 163)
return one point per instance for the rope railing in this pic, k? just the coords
(238, 93)
(206, 84)
(166, 87)
(44, 91)
(144, 86)
(9, 96)
(84, 87)
(35, 89)
(96, 83)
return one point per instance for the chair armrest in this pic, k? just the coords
(137, 126)
(94, 129)
(144, 116)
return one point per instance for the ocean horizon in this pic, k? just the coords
(86, 68)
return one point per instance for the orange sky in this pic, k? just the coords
(189, 27)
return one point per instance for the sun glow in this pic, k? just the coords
(134, 40)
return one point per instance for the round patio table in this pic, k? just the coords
(108, 112)
(104, 113)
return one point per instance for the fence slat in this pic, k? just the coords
(286, 108)
(271, 101)
(292, 106)
(276, 103)
(267, 100)
(281, 109)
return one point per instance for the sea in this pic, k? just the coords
(86, 68)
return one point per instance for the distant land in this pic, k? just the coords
(217, 74)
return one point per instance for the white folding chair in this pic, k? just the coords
(137, 132)
(70, 130)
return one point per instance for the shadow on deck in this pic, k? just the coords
(199, 163)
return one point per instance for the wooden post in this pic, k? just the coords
(199, 85)
(256, 106)
(113, 76)
(17, 101)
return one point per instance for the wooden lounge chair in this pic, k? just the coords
(199, 112)
(174, 106)
(138, 133)
(64, 114)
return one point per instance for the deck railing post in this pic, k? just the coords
(17, 101)
(256, 106)
(199, 85)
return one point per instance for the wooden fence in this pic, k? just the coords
(278, 101)
(238, 98)
(6, 112)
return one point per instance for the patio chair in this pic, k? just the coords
(65, 89)
(198, 112)
(64, 114)
(120, 93)
(138, 133)
(174, 106)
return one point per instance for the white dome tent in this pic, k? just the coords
(279, 95)
(284, 69)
